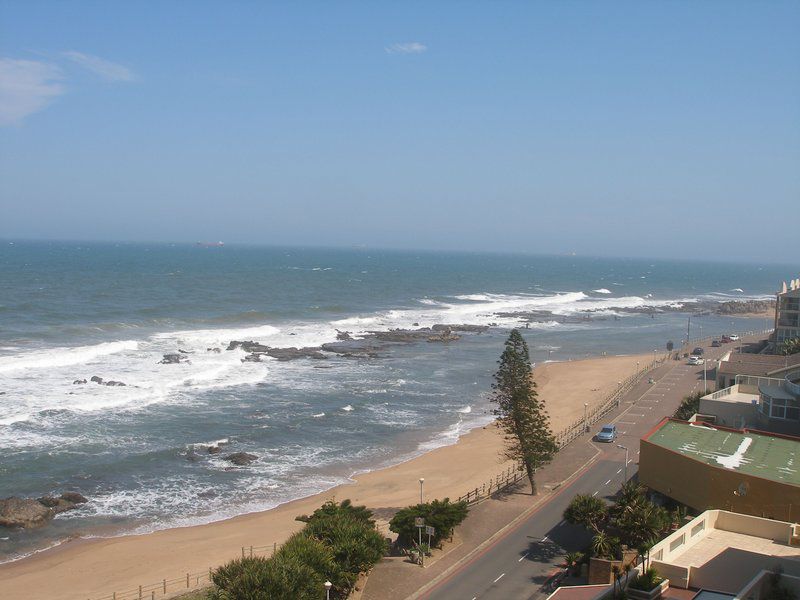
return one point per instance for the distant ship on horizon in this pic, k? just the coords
(210, 244)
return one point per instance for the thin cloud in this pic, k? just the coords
(106, 69)
(26, 87)
(407, 48)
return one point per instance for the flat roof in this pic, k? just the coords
(754, 453)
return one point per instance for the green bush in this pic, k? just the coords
(443, 515)
(338, 543)
(689, 406)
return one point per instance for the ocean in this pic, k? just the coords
(139, 452)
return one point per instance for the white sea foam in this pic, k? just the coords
(602, 291)
(318, 415)
(465, 410)
(347, 408)
(63, 357)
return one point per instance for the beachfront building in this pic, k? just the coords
(787, 312)
(718, 555)
(713, 467)
(753, 365)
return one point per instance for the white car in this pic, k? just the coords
(733, 337)
(696, 360)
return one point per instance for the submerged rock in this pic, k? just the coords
(97, 379)
(79, 381)
(172, 359)
(241, 458)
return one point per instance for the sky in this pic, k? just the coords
(659, 129)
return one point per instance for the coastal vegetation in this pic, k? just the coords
(444, 516)
(690, 405)
(338, 543)
(521, 416)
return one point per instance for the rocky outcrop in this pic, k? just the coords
(173, 359)
(115, 383)
(214, 350)
(294, 353)
(743, 307)
(247, 346)
(241, 458)
(29, 513)
(97, 379)
(79, 382)
(343, 336)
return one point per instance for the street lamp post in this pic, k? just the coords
(421, 483)
(705, 379)
(328, 586)
(585, 413)
(626, 461)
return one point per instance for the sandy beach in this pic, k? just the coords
(94, 568)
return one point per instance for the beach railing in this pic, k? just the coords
(502, 481)
(184, 583)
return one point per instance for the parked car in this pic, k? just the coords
(716, 344)
(698, 351)
(696, 360)
(725, 339)
(733, 337)
(607, 434)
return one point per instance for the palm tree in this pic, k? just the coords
(572, 560)
(601, 544)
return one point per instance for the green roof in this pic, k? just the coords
(758, 454)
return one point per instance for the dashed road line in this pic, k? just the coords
(595, 494)
(499, 578)
(620, 471)
(607, 482)
(523, 557)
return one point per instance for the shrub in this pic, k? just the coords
(338, 543)
(344, 509)
(689, 406)
(443, 515)
(647, 580)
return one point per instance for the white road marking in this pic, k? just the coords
(620, 471)
(607, 482)
(499, 578)
(595, 494)
(544, 539)
(523, 557)
(625, 423)
(633, 415)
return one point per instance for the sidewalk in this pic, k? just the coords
(395, 578)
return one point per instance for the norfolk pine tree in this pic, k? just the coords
(520, 414)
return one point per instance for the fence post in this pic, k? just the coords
(140, 592)
(242, 551)
(274, 547)
(187, 580)
(153, 595)
(165, 586)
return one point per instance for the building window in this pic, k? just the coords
(677, 543)
(778, 409)
(698, 528)
(764, 407)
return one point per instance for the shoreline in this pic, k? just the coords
(97, 566)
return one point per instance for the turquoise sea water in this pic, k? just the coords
(72, 311)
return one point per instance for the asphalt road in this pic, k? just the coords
(519, 563)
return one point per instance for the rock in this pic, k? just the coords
(172, 359)
(74, 497)
(214, 350)
(184, 351)
(241, 458)
(247, 346)
(462, 328)
(343, 336)
(284, 354)
(214, 449)
(97, 379)
(252, 358)
(78, 381)
(115, 384)
(27, 513)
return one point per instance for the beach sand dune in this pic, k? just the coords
(90, 568)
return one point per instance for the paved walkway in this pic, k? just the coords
(488, 522)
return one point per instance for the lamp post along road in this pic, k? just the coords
(421, 483)
(626, 462)
(585, 411)
(328, 586)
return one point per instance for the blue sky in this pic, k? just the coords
(606, 128)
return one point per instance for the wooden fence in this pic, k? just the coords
(185, 583)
